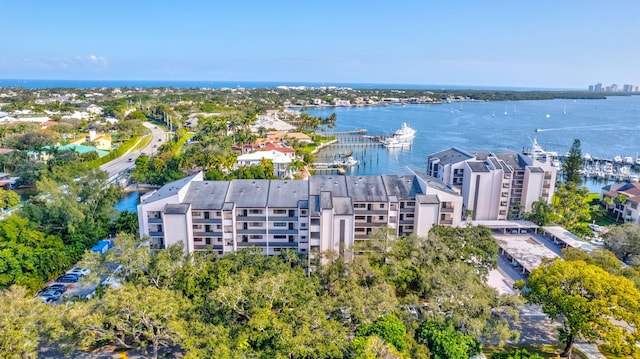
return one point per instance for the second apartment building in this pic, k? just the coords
(494, 186)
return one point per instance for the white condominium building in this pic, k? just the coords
(320, 214)
(494, 186)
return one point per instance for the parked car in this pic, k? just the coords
(594, 227)
(49, 298)
(48, 292)
(59, 287)
(80, 271)
(67, 279)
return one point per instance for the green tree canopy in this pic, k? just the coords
(587, 299)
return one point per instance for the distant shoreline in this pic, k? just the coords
(85, 84)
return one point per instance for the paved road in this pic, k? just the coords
(127, 161)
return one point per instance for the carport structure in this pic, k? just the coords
(524, 251)
(509, 227)
(566, 239)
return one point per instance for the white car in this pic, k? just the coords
(597, 241)
(79, 271)
(594, 227)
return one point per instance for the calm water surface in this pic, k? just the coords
(606, 128)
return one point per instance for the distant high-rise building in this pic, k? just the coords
(590, 88)
(598, 87)
(614, 88)
(627, 88)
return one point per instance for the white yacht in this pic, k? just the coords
(393, 142)
(617, 159)
(405, 133)
(346, 162)
(587, 157)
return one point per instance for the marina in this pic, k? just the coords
(606, 129)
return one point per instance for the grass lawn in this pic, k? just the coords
(544, 350)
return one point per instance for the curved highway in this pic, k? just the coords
(128, 160)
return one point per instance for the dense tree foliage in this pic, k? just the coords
(624, 240)
(246, 304)
(587, 299)
(445, 342)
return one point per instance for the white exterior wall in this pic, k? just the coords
(348, 231)
(178, 227)
(426, 217)
(157, 206)
(326, 230)
(531, 188)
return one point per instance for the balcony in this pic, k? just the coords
(446, 222)
(207, 246)
(252, 244)
(156, 234)
(209, 220)
(206, 234)
(251, 231)
(370, 211)
(283, 244)
(240, 218)
(446, 209)
(282, 231)
(278, 218)
(155, 220)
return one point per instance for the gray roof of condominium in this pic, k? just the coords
(513, 159)
(287, 193)
(342, 206)
(478, 166)
(536, 169)
(428, 199)
(169, 189)
(451, 155)
(248, 193)
(176, 208)
(207, 194)
(402, 186)
(334, 184)
(434, 182)
(366, 189)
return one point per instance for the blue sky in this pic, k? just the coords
(544, 43)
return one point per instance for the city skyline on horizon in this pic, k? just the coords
(533, 45)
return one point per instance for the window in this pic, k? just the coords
(408, 216)
(381, 205)
(381, 218)
(279, 237)
(360, 218)
(303, 212)
(255, 236)
(411, 204)
(360, 230)
(197, 226)
(255, 224)
(218, 214)
(279, 224)
(359, 205)
(279, 211)
(208, 240)
(255, 211)
(197, 239)
(196, 213)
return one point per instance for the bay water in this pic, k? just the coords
(606, 128)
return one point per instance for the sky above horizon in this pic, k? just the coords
(544, 44)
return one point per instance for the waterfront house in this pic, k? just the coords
(628, 210)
